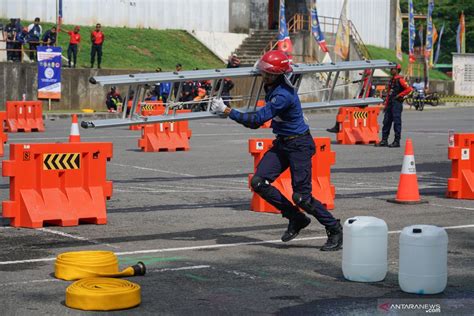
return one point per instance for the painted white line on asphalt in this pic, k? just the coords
(63, 234)
(176, 173)
(454, 207)
(153, 169)
(181, 191)
(262, 242)
(181, 269)
(29, 282)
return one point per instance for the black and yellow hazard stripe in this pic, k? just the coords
(148, 107)
(361, 115)
(60, 161)
(455, 98)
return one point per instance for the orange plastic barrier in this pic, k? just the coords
(60, 184)
(267, 124)
(461, 183)
(148, 109)
(3, 136)
(169, 136)
(322, 161)
(26, 116)
(358, 125)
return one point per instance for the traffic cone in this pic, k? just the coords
(74, 136)
(407, 192)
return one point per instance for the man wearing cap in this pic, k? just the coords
(397, 90)
(74, 41)
(293, 148)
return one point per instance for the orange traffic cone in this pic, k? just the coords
(407, 192)
(74, 136)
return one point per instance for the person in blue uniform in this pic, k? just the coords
(293, 148)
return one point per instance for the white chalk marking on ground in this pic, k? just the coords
(63, 234)
(153, 169)
(262, 242)
(454, 207)
(175, 173)
(29, 282)
(181, 268)
(181, 191)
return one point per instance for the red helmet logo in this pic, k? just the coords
(274, 62)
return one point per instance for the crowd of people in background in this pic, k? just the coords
(193, 95)
(17, 38)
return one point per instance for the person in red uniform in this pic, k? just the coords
(397, 90)
(97, 38)
(74, 42)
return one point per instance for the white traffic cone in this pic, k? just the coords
(74, 136)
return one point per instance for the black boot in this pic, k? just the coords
(334, 129)
(334, 241)
(296, 224)
(395, 144)
(383, 143)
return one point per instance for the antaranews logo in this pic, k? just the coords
(391, 306)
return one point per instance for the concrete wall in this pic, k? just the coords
(221, 44)
(205, 15)
(77, 93)
(463, 74)
(247, 14)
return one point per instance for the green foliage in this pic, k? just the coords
(447, 12)
(141, 49)
(390, 55)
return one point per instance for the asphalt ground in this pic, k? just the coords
(186, 215)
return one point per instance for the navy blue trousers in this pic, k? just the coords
(295, 154)
(393, 114)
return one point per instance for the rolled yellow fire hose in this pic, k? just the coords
(96, 290)
(103, 294)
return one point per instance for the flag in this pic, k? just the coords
(411, 32)
(59, 15)
(284, 41)
(438, 48)
(429, 30)
(435, 34)
(399, 29)
(341, 46)
(316, 28)
(461, 35)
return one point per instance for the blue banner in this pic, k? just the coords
(411, 32)
(429, 30)
(284, 42)
(49, 72)
(439, 45)
(316, 28)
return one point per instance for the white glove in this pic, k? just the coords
(218, 106)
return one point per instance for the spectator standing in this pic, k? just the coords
(74, 42)
(35, 31)
(9, 33)
(49, 37)
(21, 39)
(165, 88)
(97, 38)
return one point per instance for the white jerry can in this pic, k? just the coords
(364, 255)
(423, 259)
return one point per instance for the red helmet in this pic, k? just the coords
(399, 67)
(274, 62)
